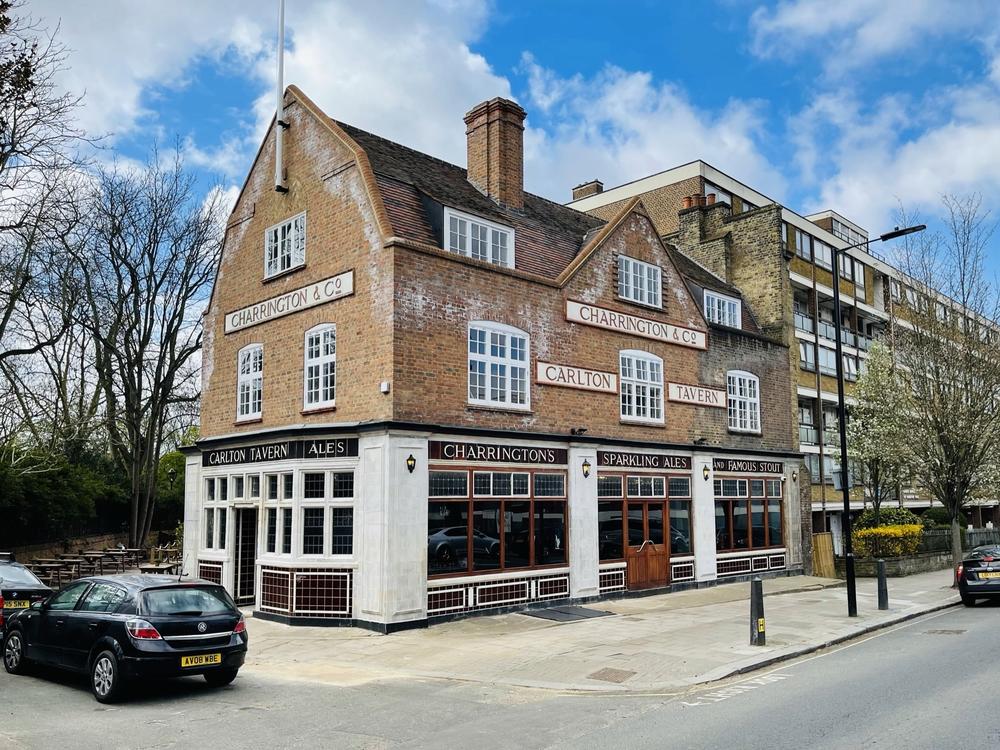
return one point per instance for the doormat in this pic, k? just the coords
(567, 614)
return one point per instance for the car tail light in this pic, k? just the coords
(142, 630)
(959, 572)
(241, 626)
(1, 610)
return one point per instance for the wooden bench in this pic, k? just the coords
(168, 568)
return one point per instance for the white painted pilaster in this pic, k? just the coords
(192, 513)
(703, 517)
(583, 523)
(793, 514)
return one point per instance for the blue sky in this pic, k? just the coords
(855, 105)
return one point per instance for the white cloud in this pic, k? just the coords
(849, 34)
(621, 125)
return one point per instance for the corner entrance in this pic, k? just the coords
(246, 556)
(646, 555)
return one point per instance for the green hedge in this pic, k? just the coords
(894, 516)
(888, 541)
(937, 517)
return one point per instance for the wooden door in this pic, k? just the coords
(646, 554)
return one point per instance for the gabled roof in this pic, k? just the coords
(548, 235)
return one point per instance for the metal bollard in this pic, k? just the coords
(757, 634)
(883, 587)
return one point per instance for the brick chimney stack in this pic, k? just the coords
(587, 189)
(495, 133)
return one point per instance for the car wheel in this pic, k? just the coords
(14, 660)
(105, 678)
(968, 601)
(220, 677)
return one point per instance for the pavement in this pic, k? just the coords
(646, 644)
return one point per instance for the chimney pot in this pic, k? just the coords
(586, 189)
(699, 200)
(710, 199)
(687, 202)
(494, 131)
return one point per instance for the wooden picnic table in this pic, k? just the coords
(165, 567)
(53, 570)
(97, 557)
(120, 556)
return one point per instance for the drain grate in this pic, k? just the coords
(943, 632)
(609, 674)
(567, 614)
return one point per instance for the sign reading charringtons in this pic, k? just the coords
(600, 317)
(326, 290)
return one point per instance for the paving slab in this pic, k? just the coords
(651, 643)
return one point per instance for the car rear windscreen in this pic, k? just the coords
(187, 600)
(14, 575)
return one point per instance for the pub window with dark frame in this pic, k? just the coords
(748, 514)
(514, 519)
(672, 493)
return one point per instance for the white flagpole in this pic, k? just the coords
(280, 125)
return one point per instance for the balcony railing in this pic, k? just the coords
(826, 330)
(803, 323)
(808, 435)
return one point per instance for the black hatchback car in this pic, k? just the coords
(128, 627)
(979, 575)
(19, 588)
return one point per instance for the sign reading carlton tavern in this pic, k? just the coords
(326, 290)
(696, 394)
(547, 373)
(600, 317)
(643, 460)
(747, 466)
(500, 454)
(251, 454)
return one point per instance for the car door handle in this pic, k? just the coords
(92, 625)
(59, 623)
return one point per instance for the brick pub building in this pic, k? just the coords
(428, 393)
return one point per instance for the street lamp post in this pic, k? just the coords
(845, 485)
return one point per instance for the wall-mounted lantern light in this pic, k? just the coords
(795, 476)
(171, 475)
(411, 463)
(586, 468)
(705, 472)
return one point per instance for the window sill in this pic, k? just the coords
(643, 423)
(502, 409)
(248, 420)
(318, 410)
(758, 433)
(283, 274)
(646, 305)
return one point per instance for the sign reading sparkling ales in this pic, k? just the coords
(643, 460)
(547, 373)
(600, 317)
(326, 290)
(251, 454)
(501, 454)
(747, 465)
(696, 394)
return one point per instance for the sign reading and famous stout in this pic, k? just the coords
(747, 466)
(576, 377)
(600, 317)
(643, 460)
(499, 454)
(326, 290)
(289, 449)
(696, 394)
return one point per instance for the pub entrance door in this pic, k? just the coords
(246, 556)
(646, 555)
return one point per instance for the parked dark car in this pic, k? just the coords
(19, 588)
(979, 575)
(122, 628)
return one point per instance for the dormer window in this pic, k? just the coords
(285, 246)
(639, 282)
(723, 310)
(478, 239)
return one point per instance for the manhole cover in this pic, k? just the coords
(608, 674)
(943, 632)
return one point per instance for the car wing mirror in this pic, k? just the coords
(37, 605)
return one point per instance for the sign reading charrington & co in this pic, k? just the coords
(600, 317)
(747, 465)
(326, 290)
(253, 454)
(547, 373)
(643, 460)
(696, 394)
(501, 454)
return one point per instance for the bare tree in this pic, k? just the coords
(945, 332)
(147, 263)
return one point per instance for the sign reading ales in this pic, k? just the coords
(643, 460)
(289, 449)
(500, 454)
(326, 290)
(748, 466)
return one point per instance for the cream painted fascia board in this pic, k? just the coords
(831, 214)
(638, 187)
(801, 390)
(734, 186)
